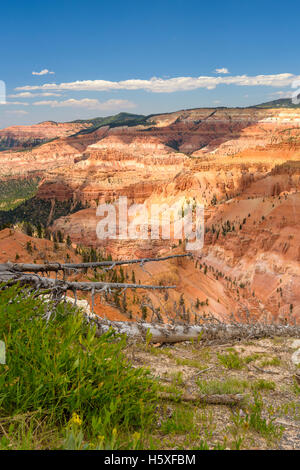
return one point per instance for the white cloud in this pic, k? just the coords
(87, 103)
(222, 70)
(43, 72)
(282, 94)
(15, 103)
(170, 85)
(16, 111)
(28, 94)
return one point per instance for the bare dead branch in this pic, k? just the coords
(39, 282)
(265, 371)
(54, 267)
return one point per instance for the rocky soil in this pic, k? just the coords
(262, 370)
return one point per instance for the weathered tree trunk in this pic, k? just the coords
(163, 333)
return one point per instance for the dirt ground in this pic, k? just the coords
(261, 370)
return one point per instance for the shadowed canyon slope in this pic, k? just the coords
(19, 137)
(242, 164)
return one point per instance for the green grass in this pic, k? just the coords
(296, 387)
(233, 385)
(59, 368)
(262, 384)
(257, 422)
(275, 361)
(182, 421)
(180, 361)
(251, 358)
(258, 419)
(231, 360)
(190, 363)
(230, 385)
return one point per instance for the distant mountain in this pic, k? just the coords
(121, 119)
(281, 103)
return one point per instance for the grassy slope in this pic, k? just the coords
(64, 388)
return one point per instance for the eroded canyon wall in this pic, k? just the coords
(242, 164)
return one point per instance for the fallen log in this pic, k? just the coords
(165, 333)
(225, 399)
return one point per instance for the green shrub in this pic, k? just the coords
(60, 367)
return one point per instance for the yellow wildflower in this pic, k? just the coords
(76, 419)
(136, 436)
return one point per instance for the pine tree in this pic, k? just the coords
(60, 236)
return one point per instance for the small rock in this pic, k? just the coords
(296, 357)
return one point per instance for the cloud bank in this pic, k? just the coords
(28, 94)
(87, 103)
(15, 103)
(16, 111)
(169, 85)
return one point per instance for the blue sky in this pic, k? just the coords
(143, 57)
